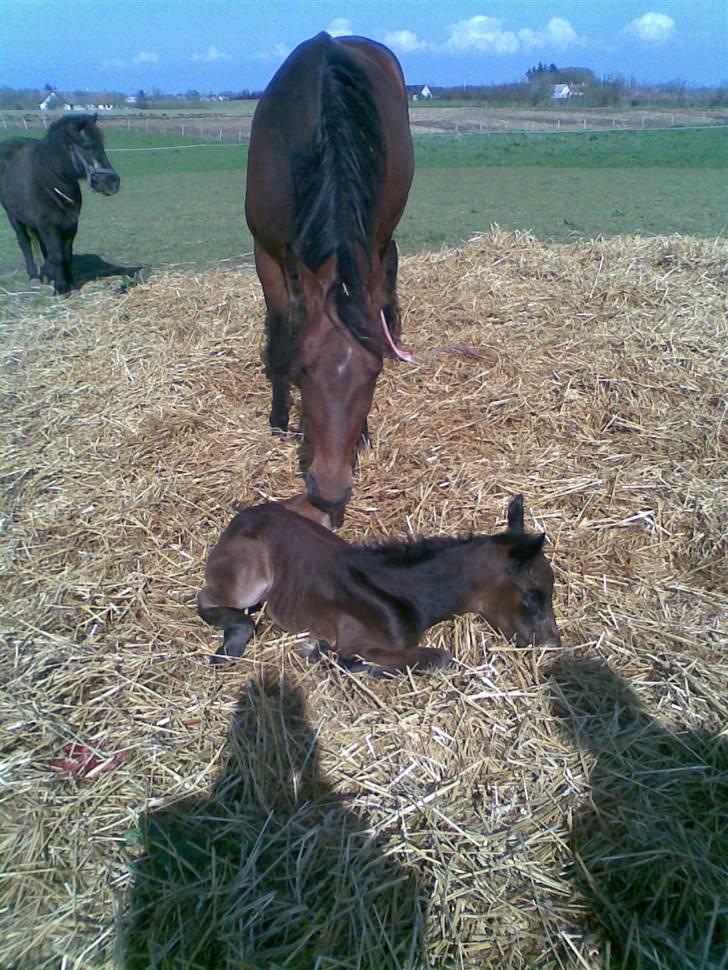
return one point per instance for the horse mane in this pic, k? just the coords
(53, 166)
(337, 184)
(401, 553)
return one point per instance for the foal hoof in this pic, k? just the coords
(234, 643)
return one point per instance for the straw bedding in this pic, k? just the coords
(522, 809)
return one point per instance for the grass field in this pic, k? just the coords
(183, 205)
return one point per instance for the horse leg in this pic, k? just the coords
(45, 273)
(55, 261)
(237, 625)
(391, 303)
(238, 577)
(280, 342)
(26, 247)
(68, 256)
(354, 644)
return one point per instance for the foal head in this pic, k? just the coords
(516, 596)
(81, 137)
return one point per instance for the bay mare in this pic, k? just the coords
(329, 170)
(39, 190)
(374, 603)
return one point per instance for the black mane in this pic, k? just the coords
(401, 553)
(339, 182)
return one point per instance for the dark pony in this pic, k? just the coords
(374, 603)
(39, 191)
(329, 170)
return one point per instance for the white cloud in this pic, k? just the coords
(279, 52)
(655, 28)
(482, 34)
(487, 35)
(113, 62)
(339, 27)
(559, 34)
(145, 57)
(212, 54)
(405, 41)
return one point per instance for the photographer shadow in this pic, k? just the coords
(271, 869)
(650, 846)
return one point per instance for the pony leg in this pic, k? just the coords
(68, 257)
(26, 247)
(56, 263)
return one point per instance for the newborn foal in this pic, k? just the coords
(374, 602)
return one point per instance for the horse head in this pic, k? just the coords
(85, 145)
(336, 370)
(516, 592)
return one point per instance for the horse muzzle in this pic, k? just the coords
(104, 180)
(324, 501)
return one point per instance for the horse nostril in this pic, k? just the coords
(321, 502)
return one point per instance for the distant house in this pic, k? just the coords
(565, 92)
(418, 92)
(54, 101)
(561, 92)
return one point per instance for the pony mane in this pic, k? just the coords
(337, 184)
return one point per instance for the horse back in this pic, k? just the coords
(11, 152)
(288, 118)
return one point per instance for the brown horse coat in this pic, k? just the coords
(375, 602)
(329, 169)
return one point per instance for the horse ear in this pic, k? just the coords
(526, 547)
(515, 514)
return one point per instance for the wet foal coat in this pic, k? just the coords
(329, 170)
(374, 602)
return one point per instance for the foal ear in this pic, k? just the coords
(515, 514)
(526, 547)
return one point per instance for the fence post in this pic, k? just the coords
(583, 123)
(183, 130)
(240, 136)
(25, 124)
(643, 122)
(672, 120)
(220, 135)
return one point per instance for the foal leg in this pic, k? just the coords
(354, 644)
(238, 626)
(238, 576)
(26, 247)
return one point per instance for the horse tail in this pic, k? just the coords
(338, 183)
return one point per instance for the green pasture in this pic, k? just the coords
(182, 204)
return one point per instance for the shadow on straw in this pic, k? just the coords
(271, 869)
(87, 267)
(650, 847)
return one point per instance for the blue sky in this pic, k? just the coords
(229, 44)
